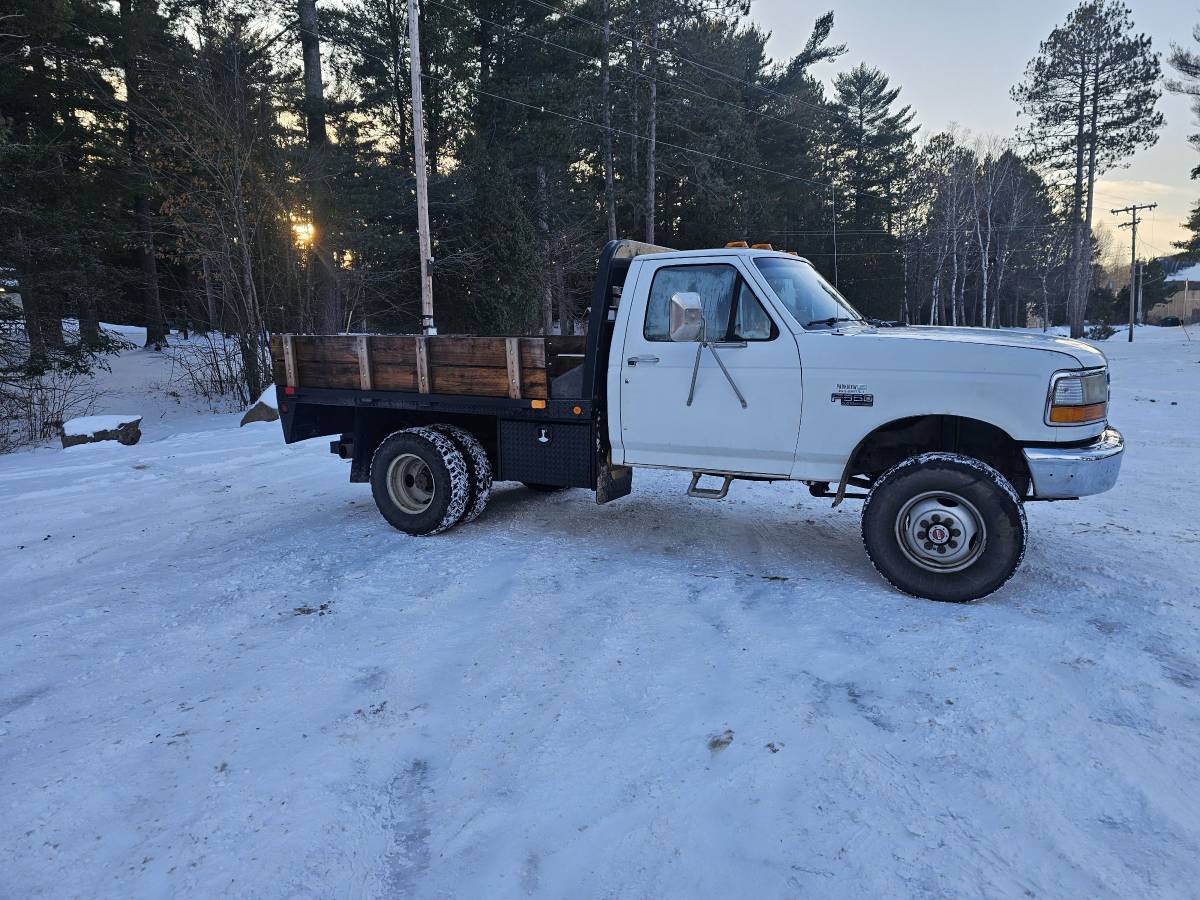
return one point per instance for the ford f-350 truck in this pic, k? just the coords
(729, 364)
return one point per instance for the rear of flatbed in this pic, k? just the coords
(536, 405)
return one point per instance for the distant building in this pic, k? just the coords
(1183, 293)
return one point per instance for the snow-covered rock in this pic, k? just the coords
(265, 408)
(91, 429)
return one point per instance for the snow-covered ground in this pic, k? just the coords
(221, 674)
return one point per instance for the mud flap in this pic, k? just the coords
(613, 483)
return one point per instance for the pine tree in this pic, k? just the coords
(1187, 64)
(1090, 96)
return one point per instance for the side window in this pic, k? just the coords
(731, 311)
(751, 322)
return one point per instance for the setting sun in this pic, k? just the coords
(302, 233)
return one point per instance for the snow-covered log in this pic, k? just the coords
(92, 429)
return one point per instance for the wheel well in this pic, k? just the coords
(897, 441)
(372, 426)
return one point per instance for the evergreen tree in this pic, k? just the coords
(1090, 96)
(1187, 64)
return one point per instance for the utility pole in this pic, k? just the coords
(414, 67)
(833, 215)
(1141, 315)
(1132, 224)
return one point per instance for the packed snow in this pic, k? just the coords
(89, 425)
(222, 674)
(267, 398)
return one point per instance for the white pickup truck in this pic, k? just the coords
(730, 364)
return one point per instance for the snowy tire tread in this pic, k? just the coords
(982, 472)
(480, 469)
(456, 465)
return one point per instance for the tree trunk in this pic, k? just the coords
(543, 226)
(210, 299)
(610, 194)
(1080, 315)
(397, 68)
(325, 285)
(1078, 239)
(651, 133)
(143, 222)
(29, 307)
(89, 320)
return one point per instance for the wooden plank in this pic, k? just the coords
(394, 378)
(394, 349)
(330, 375)
(326, 349)
(512, 353)
(422, 366)
(456, 350)
(484, 381)
(364, 362)
(289, 360)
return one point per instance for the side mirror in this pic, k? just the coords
(687, 316)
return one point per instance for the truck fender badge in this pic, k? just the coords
(543, 435)
(855, 399)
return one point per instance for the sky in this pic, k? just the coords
(955, 62)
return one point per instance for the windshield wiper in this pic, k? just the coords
(828, 323)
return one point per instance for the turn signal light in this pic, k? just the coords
(1077, 415)
(538, 404)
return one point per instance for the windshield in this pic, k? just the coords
(812, 300)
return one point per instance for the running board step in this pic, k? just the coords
(708, 493)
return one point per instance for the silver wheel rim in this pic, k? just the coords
(410, 484)
(941, 532)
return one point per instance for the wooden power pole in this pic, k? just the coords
(1132, 224)
(414, 66)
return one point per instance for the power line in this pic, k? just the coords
(699, 65)
(624, 68)
(631, 134)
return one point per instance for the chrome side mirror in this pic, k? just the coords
(687, 316)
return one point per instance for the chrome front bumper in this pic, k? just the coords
(1065, 473)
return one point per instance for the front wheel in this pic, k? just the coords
(944, 527)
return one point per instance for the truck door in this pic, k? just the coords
(716, 433)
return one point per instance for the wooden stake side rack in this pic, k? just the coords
(515, 367)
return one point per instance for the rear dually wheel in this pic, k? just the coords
(420, 481)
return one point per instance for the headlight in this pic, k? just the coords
(1078, 398)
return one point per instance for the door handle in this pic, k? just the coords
(648, 360)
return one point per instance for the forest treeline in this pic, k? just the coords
(239, 167)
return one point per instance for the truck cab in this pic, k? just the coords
(792, 380)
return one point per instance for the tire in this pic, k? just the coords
(479, 469)
(419, 481)
(916, 518)
(544, 488)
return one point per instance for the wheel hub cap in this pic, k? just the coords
(411, 484)
(940, 532)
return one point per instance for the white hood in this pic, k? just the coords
(1085, 354)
